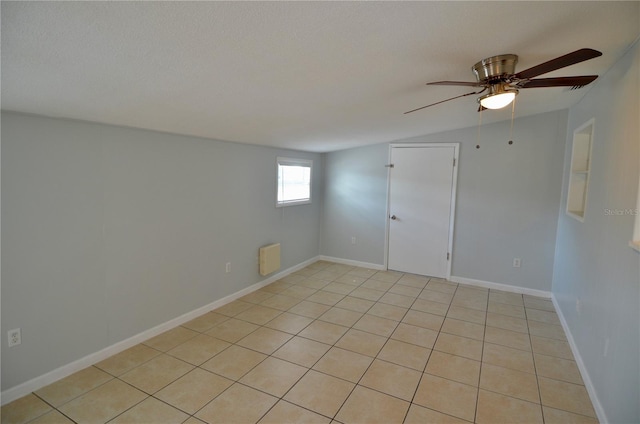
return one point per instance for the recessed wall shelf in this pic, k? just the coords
(580, 168)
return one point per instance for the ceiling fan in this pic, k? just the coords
(497, 75)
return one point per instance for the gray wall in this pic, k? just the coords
(109, 231)
(594, 263)
(507, 200)
(355, 204)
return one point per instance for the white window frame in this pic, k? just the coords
(306, 163)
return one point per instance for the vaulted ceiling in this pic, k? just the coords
(316, 76)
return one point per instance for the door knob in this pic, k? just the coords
(393, 217)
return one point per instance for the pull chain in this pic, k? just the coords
(513, 110)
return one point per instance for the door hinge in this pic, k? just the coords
(447, 255)
(454, 161)
(389, 165)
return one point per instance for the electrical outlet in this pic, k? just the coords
(517, 262)
(353, 240)
(15, 338)
(227, 267)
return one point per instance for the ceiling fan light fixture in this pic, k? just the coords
(498, 97)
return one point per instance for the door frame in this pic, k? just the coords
(454, 188)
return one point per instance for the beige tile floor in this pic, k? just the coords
(335, 343)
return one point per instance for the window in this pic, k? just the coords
(579, 173)
(294, 181)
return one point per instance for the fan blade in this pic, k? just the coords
(442, 101)
(559, 82)
(559, 62)
(464, 83)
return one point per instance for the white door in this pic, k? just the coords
(421, 201)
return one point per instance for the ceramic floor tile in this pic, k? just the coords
(341, 316)
(403, 290)
(151, 411)
(340, 288)
(405, 354)
(551, 347)
(232, 330)
(234, 362)
(367, 294)
(231, 406)
(423, 319)
(325, 298)
(361, 342)
(392, 379)
(362, 272)
(506, 322)
(430, 306)
(496, 408)
(103, 403)
(281, 302)
(309, 309)
(507, 338)
(470, 303)
(199, 349)
(265, 340)
(550, 331)
(320, 393)
(302, 292)
(289, 323)
(302, 351)
(566, 396)
(62, 391)
(276, 287)
(205, 322)
(258, 314)
(388, 276)
(538, 303)
(460, 346)
(466, 314)
(376, 325)
(344, 364)
(441, 286)
(157, 373)
(463, 328)
(502, 356)
(410, 280)
(23, 410)
(312, 283)
(387, 311)
(126, 360)
(510, 382)
(397, 300)
(506, 298)
(257, 296)
(557, 368)
(548, 317)
(287, 413)
(436, 296)
(170, 339)
(233, 308)
(557, 416)
(420, 415)
(355, 304)
(506, 309)
(446, 396)
(377, 285)
(274, 376)
(371, 407)
(52, 417)
(452, 367)
(323, 332)
(415, 335)
(194, 390)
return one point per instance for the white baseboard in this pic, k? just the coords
(352, 263)
(586, 379)
(39, 382)
(500, 286)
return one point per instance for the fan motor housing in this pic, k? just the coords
(495, 68)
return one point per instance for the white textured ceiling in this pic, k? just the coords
(317, 76)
